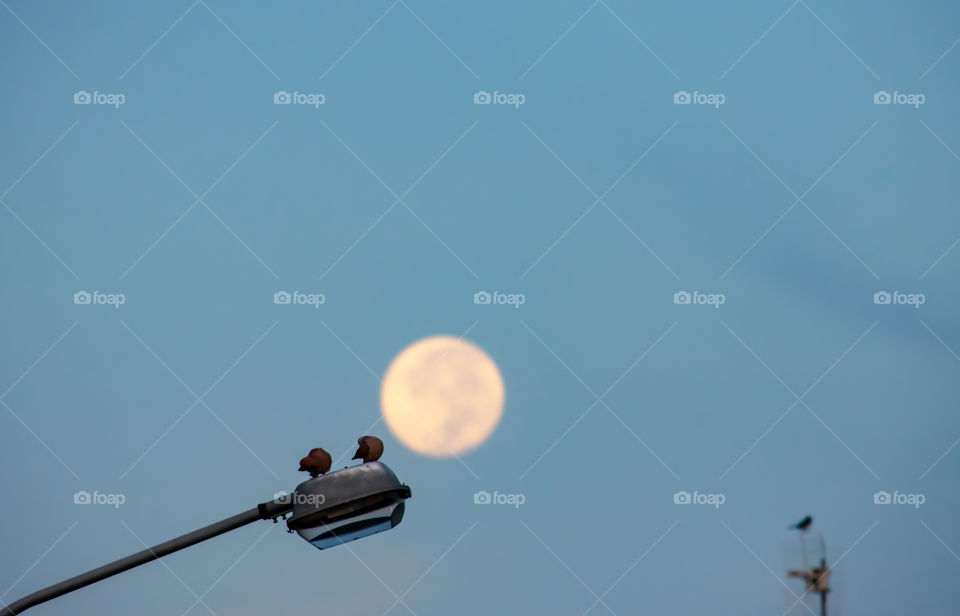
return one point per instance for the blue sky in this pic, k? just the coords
(796, 200)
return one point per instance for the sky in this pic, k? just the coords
(791, 169)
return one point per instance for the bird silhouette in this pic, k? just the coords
(317, 462)
(370, 449)
(803, 524)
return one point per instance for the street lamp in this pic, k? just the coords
(328, 510)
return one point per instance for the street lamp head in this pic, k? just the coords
(347, 504)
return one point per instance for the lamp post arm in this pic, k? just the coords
(264, 511)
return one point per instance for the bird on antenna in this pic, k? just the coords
(803, 524)
(317, 462)
(370, 449)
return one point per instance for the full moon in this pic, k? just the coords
(442, 396)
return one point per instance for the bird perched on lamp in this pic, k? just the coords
(370, 449)
(803, 524)
(317, 462)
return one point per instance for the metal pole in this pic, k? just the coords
(824, 588)
(264, 511)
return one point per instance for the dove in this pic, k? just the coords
(803, 524)
(370, 448)
(317, 462)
